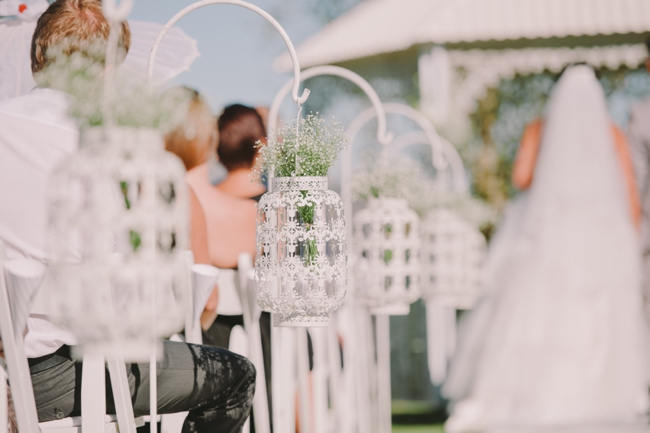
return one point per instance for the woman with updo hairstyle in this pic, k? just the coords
(195, 139)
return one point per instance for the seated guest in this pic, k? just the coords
(193, 142)
(230, 207)
(231, 211)
(214, 385)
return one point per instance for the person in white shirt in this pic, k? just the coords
(214, 385)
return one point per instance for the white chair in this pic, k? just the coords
(251, 312)
(237, 297)
(19, 281)
(202, 280)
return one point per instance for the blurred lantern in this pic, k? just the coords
(387, 256)
(118, 229)
(301, 263)
(453, 251)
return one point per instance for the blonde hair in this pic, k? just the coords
(75, 26)
(196, 138)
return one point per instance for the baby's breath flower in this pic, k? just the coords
(394, 177)
(402, 177)
(308, 150)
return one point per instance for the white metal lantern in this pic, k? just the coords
(301, 262)
(453, 252)
(118, 225)
(387, 270)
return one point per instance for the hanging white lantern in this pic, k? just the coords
(453, 251)
(301, 263)
(387, 267)
(118, 227)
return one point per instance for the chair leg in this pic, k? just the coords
(153, 394)
(93, 384)
(121, 395)
(320, 374)
(260, 403)
(382, 323)
(23, 394)
(304, 395)
(4, 402)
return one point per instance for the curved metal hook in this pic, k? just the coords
(299, 99)
(382, 135)
(443, 153)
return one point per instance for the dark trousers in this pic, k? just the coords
(219, 335)
(216, 387)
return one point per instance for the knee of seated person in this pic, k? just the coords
(249, 370)
(241, 368)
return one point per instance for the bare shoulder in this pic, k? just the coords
(198, 176)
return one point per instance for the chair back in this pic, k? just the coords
(19, 281)
(247, 294)
(230, 302)
(204, 277)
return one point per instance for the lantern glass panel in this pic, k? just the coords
(387, 256)
(455, 252)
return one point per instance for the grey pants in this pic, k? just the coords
(216, 387)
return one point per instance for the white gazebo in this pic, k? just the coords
(462, 47)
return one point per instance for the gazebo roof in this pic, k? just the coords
(383, 26)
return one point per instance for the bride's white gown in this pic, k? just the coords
(560, 338)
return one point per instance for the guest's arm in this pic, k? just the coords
(639, 146)
(625, 160)
(524, 166)
(198, 230)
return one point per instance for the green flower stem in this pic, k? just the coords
(306, 214)
(388, 256)
(312, 251)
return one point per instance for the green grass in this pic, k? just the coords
(413, 416)
(417, 428)
(410, 407)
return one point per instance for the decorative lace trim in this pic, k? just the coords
(302, 183)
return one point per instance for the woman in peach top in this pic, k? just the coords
(559, 340)
(193, 142)
(231, 212)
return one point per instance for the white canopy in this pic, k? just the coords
(383, 26)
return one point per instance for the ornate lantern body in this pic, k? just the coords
(118, 234)
(301, 262)
(387, 270)
(453, 252)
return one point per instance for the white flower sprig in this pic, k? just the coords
(402, 177)
(313, 141)
(394, 177)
